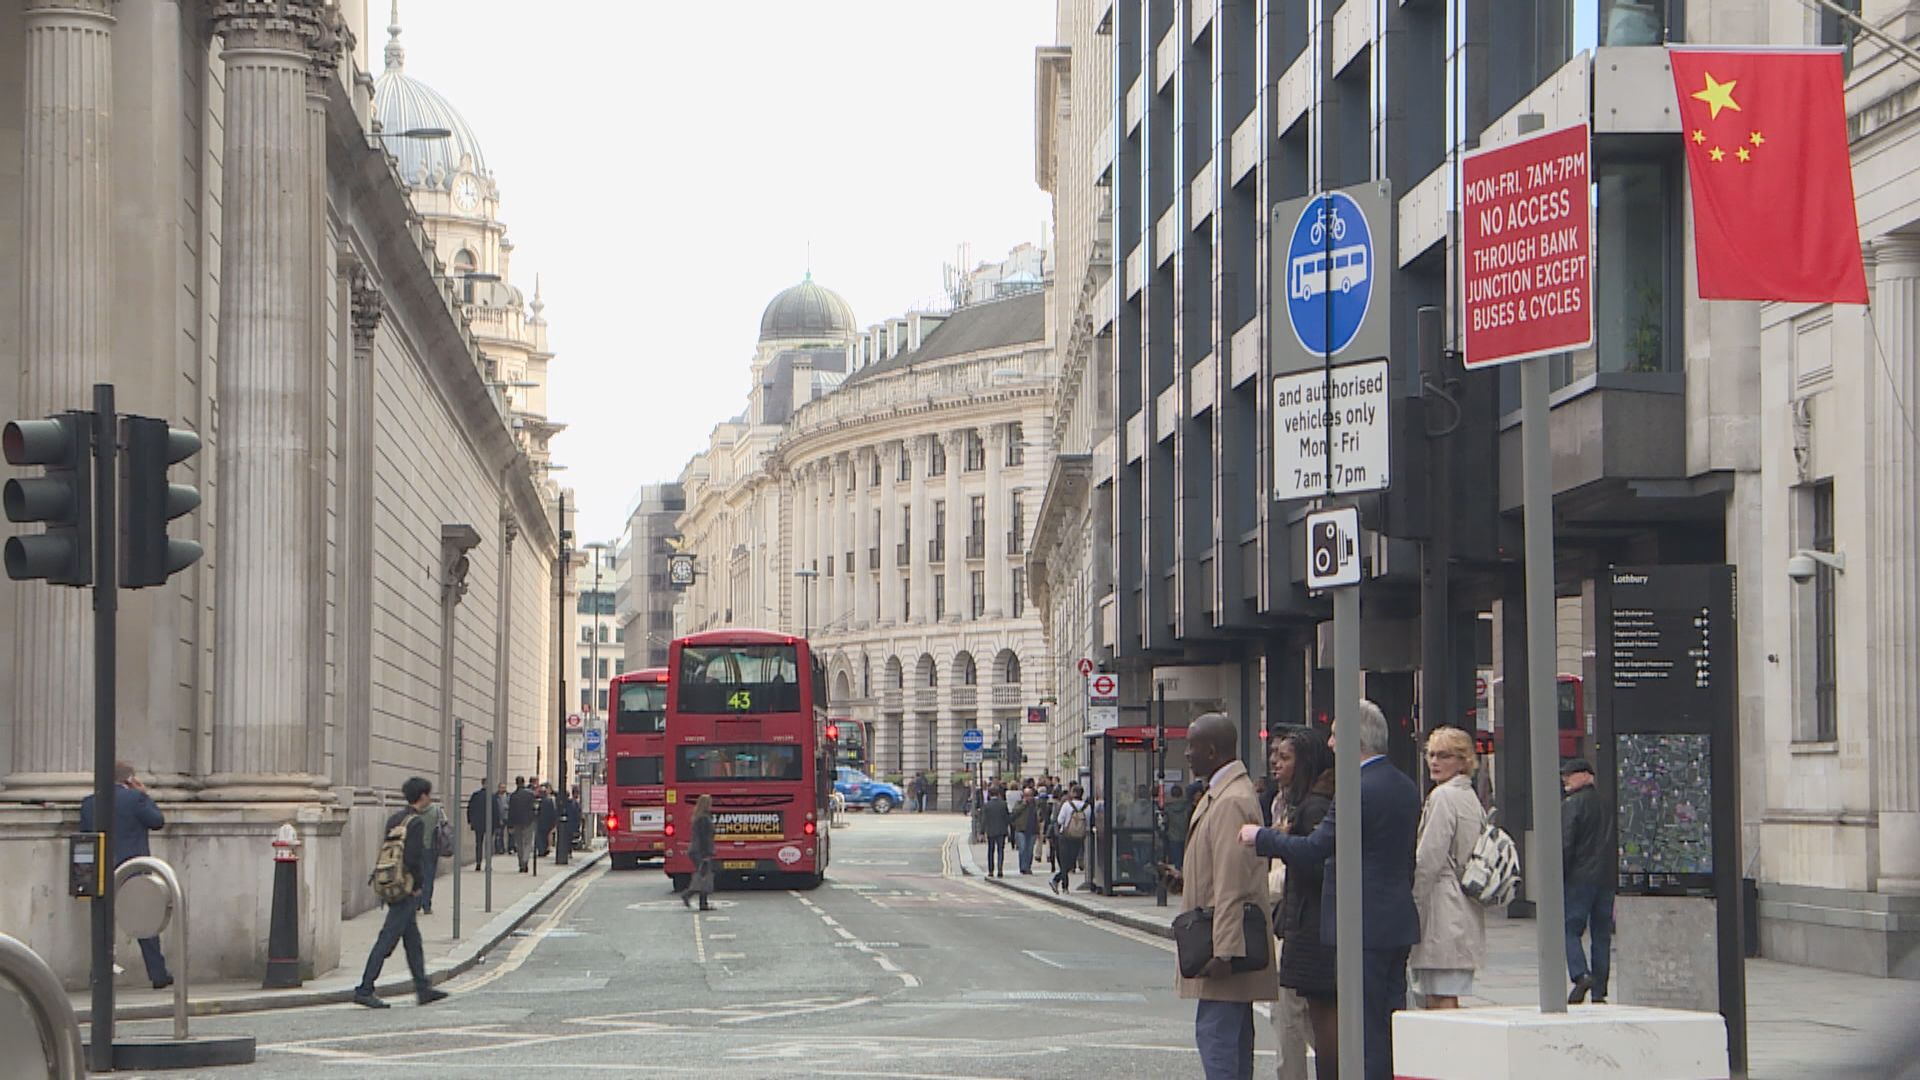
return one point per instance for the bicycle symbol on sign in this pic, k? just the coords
(1329, 218)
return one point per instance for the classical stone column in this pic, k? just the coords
(66, 261)
(997, 499)
(1893, 371)
(266, 449)
(836, 590)
(889, 535)
(367, 309)
(861, 579)
(922, 532)
(956, 570)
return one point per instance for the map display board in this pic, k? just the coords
(1665, 812)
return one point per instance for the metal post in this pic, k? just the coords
(459, 863)
(1160, 795)
(105, 611)
(1346, 807)
(492, 826)
(1437, 664)
(1536, 505)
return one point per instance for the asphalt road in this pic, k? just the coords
(897, 967)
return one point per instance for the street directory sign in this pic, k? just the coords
(1526, 248)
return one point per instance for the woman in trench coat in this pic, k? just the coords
(1453, 927)
(700, 850)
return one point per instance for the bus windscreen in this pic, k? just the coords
(710, 762)
(641, 709)
(722, 680)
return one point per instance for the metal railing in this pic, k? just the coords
(50, 1022)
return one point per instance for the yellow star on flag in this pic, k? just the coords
(1717, 154)
(1718, 95)
(1744, 154)
(1699, 137)
(1756, 138)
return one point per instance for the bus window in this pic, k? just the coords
(720, 680)
(641, 709)
(737, 761)
(637, 772)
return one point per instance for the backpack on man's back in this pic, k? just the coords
(390, 880)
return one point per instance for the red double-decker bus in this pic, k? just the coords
(637, 768)
(747, 724)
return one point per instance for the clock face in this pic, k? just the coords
(466, 194)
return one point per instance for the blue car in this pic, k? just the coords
(859, 789)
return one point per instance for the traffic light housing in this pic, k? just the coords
(62, 500)
(149, 502)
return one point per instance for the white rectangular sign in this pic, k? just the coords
(1102, 717)
(1357, 421)
(970, 757)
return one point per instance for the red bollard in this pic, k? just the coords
(283, 936)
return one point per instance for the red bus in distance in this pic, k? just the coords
(636, 768)
(747, 725)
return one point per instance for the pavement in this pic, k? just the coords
(1802, 1022)
(515, 897)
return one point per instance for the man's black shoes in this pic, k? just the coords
(1581, 985)
(431, 995)
(370, 1001)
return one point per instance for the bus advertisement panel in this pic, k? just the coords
(747, 725)
(636, 769)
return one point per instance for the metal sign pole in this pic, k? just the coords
(1159, 796)
(1346, 807)
(106, 605)
(487, 842)
(1536, 506)
(459, 864)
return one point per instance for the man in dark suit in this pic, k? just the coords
(1390, 925)
(477, 807)
(134, 816)
(549, 816)
(521, 807)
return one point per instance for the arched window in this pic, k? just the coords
(464, 262)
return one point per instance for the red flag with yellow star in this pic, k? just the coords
(1773, 210)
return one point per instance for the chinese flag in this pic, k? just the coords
(1766, 138)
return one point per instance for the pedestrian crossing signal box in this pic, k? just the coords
(86, 866)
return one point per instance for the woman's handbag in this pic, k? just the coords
(1193, 940)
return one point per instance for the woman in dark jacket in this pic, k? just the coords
(1303, 764)
(700, 850)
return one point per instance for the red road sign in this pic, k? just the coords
(1526, 251)
(1086, 667)
(1105, 686)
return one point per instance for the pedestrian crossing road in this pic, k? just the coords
(898, 967)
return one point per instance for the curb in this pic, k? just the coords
(1069, 901)
(449, 966)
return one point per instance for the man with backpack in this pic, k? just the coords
(521, 806)
(397, 873)
(1071, 822)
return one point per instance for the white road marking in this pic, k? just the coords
(1044, 960)
(721, 937)
(829, 920)
(525, 946)
(729, 956)
(699, 940)
(842, 931)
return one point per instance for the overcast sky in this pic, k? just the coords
(663, 166)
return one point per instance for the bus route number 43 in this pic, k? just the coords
(740, 700)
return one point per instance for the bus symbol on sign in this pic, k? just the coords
(1330, 262)
(592, 744)
(972, 741)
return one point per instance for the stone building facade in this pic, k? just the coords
(886, 514)
(202, 218)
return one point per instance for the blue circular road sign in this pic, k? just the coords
(972, 740)
(592, 740)
(1330, 268)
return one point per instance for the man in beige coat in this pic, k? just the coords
(1222, 874)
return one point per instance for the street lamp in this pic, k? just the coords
(427, 133)
(807, 577)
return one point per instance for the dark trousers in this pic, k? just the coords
(479, 849)
(996, 855)
(1590, 908)
(1384, 992)
(156, 961)
(1223, 1033)
(426, 881)
(522, 843)
(1025, 842)
(401, 928)
(1067, 856)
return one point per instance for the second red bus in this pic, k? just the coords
(636, 769)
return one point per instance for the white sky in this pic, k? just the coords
(663, 165)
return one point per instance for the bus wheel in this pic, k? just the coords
(812, 881)
(681, 881)
(624, 860)
(882, 805)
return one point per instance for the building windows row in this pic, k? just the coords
(588, 697)
(609, 666)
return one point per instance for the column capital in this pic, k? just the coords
(295, 26)
(997, 436)
(54, 9)
(369, 307)
(921, 446)
(1894, 256)
(955, 438)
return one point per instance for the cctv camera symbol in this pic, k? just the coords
(1331, 548)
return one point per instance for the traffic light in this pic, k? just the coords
(833, 732)
(62, 499)
(149, 555)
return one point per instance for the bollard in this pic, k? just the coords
(283, 936)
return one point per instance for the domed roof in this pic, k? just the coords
(401, 104)
(807, 311)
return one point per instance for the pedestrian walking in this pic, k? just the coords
(1587, 840)
(1390, 924)
(996, 822)
(500, 846)
(1226, 877)
(1306, 1016)
(477, 807)
(549, 819)
(134, 816)
(1026, 824)
(1070, 826)
(569, 813)
(402, 927)
(1453, 926)
(439, 833)
(521, 807)
(700, 850)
